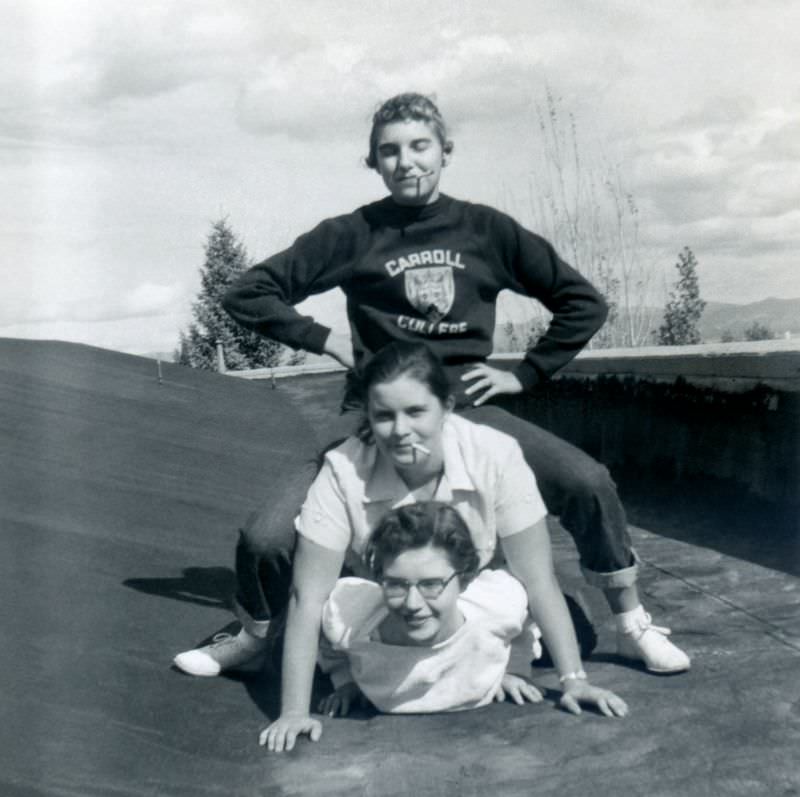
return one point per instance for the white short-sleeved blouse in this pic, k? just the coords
(485, 478)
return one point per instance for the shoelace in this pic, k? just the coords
(220, 639)
(646, 624)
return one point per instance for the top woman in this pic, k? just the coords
(421, 266)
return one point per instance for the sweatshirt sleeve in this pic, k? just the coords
(263, 298)
(579, 310)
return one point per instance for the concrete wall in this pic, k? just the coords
(728, 412)
(723, 412)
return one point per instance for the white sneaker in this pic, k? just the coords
(640, 639)
(225, 652)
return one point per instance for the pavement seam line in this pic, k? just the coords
(773, 630)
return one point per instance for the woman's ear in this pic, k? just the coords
(465, 579)
(447, 151)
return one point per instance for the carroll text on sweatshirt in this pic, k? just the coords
(429, 274)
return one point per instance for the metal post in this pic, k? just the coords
(221, 358)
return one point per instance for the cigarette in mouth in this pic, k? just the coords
(422, 450)
(419, 180)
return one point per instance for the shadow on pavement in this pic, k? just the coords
(205, 586)
(710, 514)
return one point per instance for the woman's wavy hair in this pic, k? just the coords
(416, 526)
(402, 108)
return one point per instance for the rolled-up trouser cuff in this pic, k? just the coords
(616, 579)
(256, 628)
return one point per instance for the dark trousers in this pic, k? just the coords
(574, 486)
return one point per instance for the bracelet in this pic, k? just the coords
(578, 675)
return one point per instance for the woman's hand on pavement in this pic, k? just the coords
(488, 382)
(339, 702)
(581, 691)
(518, 689)
(282, 734)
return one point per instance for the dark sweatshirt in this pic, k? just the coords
(428, 274)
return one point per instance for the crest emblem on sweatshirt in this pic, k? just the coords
(431, 291)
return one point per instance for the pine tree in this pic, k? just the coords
(226, 259)
(685, 307)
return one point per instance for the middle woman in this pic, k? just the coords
(413, 448)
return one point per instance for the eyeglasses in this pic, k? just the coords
(429, 588)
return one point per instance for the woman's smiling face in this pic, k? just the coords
(410, 158)
(417, 620)
(404, 413)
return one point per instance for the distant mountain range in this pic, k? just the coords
(780, 315)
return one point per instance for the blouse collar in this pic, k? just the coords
(386, 484)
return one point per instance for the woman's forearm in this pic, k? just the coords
(299, 655)
(530, 559)
(316, 569)
(550, 611)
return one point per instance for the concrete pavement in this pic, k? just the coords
(119, 504)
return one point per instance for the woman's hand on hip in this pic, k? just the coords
(340, 347)
(282, 733)
(488, 382)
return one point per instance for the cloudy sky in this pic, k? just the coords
(126, 129)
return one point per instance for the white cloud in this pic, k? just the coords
(332, 88)
(159, 334)
(126, 128)
(149, 299)
(720, 182)
(146, 300)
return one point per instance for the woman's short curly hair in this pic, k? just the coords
(416, 526)
(402, 108)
